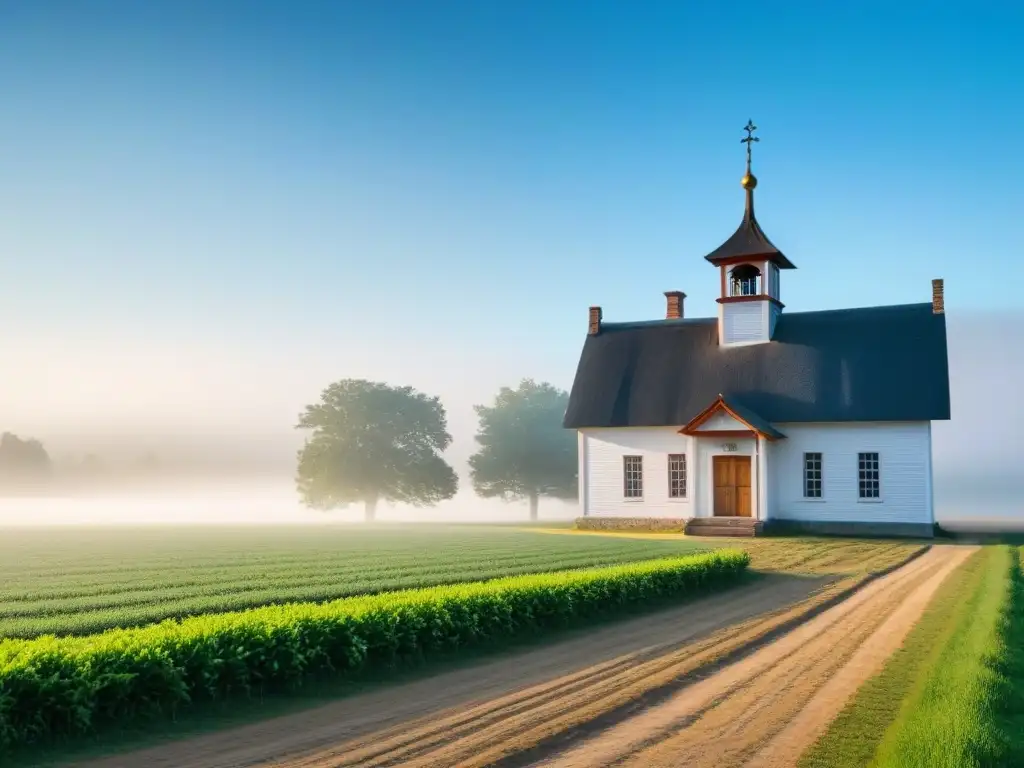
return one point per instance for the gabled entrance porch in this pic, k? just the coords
(731, 478)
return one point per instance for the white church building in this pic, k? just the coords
(760, 416)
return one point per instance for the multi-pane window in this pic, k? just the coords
(633, 477)
(677, 475)
(812, 475)
(868, 484)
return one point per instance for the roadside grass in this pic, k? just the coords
(1010, 707)
(933, 702)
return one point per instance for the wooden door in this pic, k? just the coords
(743, 505)
(732, 486)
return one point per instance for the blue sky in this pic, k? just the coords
(216, 207)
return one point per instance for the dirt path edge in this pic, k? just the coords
(559, 742)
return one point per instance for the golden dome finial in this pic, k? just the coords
(749, 181)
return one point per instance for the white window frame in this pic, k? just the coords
(868, 463)
(633, 477)
(678, 475)
(809, 479)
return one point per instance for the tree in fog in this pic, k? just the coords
(22, 460)
(525, 453)
(372, 442)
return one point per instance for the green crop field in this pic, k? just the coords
(79, 581)
(58, 687)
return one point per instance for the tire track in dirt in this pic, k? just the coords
(803, 730)
(765, 710)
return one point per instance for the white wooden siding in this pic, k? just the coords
(722, 421)
(931, 476)
(582, 458)
(904, 455)
(764, 489)
(905, 472)
(773, 317)
(601, 488)
(744, 322)
(771, 460)
(604, 449)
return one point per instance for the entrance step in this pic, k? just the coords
(724, 526)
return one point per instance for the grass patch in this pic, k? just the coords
(823, 556)
(633, 524)
(932, 703)
(73, 686)
(1010, 703)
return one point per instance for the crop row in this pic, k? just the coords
(62, 589)
(53, 687)
(26, 557)
(87, 615)
(147, 590)
(97, 568)
(77, 621)
(31, 569)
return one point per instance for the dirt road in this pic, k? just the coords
(482, 696)
(765, 710)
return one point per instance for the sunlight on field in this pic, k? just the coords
(791, 555)
(610, 534)
(77, 581)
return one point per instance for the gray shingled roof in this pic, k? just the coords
(870, 364)
(749, 240)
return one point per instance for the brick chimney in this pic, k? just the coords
(674, 305)
(594, 326)
(938, 297)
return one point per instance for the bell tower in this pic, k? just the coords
(749, 303)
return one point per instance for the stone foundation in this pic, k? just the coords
(862, 530)
(772, 527)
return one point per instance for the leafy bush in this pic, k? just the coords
(54, 687)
